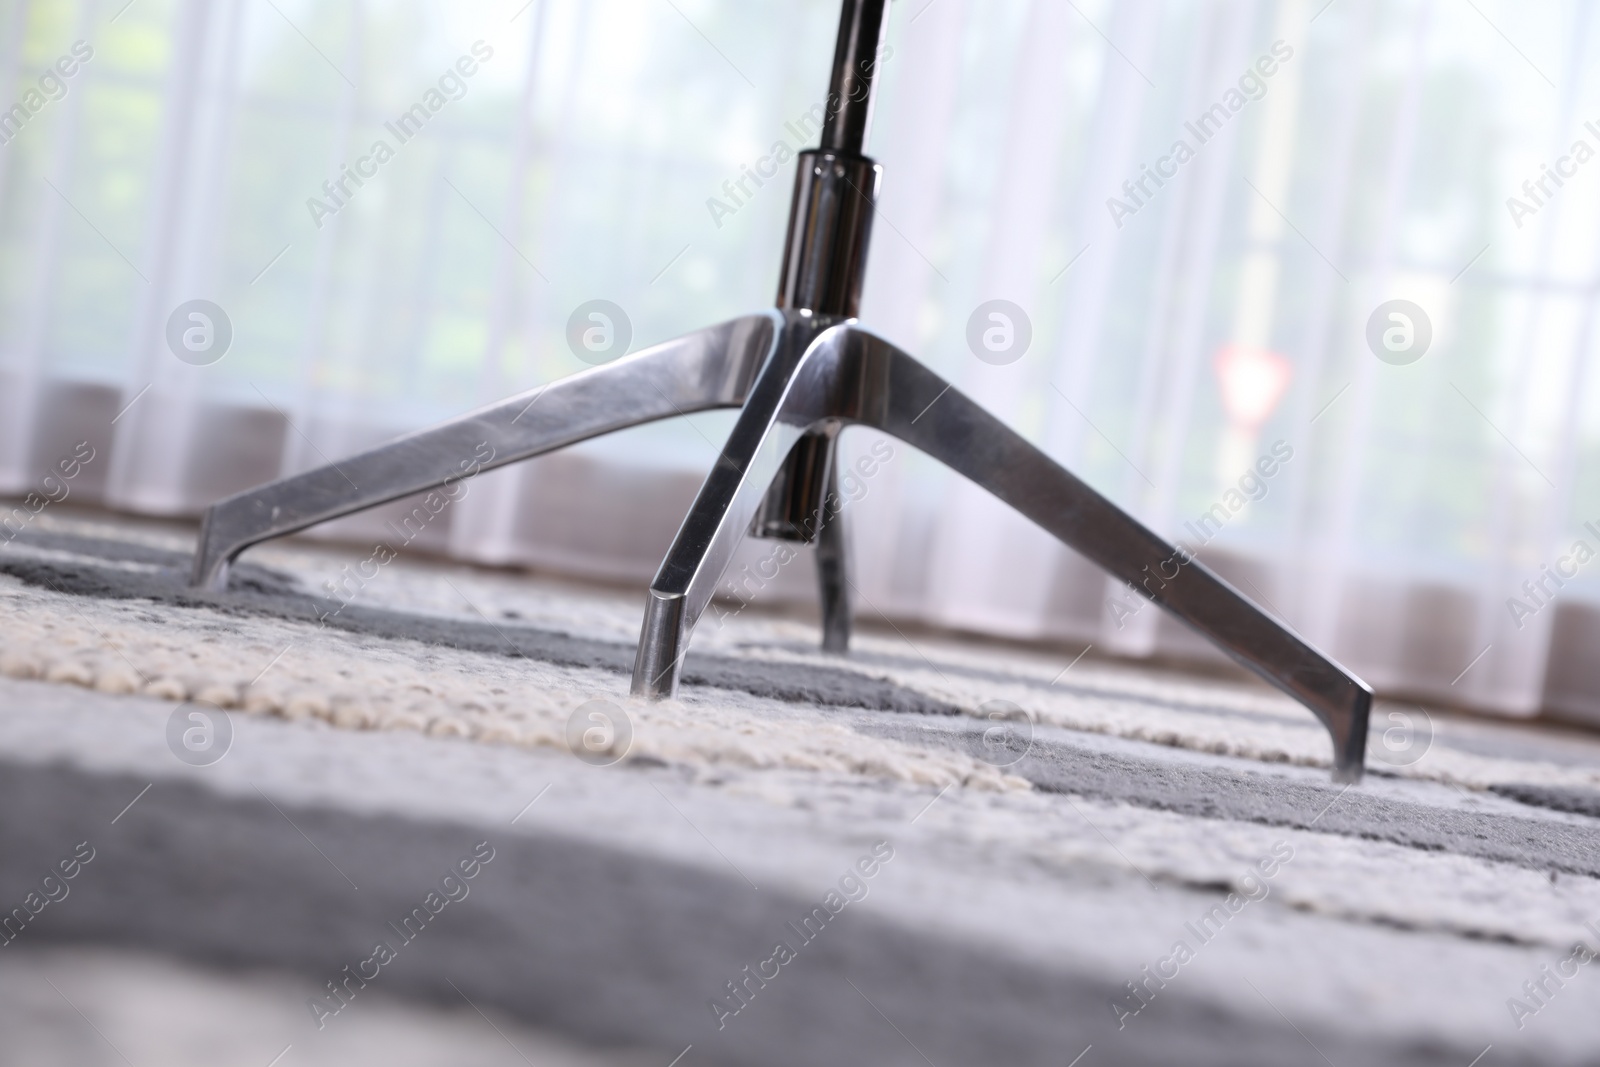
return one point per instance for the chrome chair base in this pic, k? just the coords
(712, 368)
(795, 375)
(799, 374)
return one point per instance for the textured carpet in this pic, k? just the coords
(1151, 864)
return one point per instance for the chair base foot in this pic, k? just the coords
(827, 374)
(798, 379)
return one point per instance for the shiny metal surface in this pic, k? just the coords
(855, 62)
(830, 230)
(711, 368)
(779, 409)
(824, 265)
(825, 375)
(834, 580)
(800, 374)
(824, 260)
(792, 508)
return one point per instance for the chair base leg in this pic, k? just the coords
(803, 504)
(796, 377)
(825, 375)
(833, 570)
(711, 368)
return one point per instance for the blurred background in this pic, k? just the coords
(1178, 332)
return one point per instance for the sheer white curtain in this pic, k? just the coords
(1191, 330)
